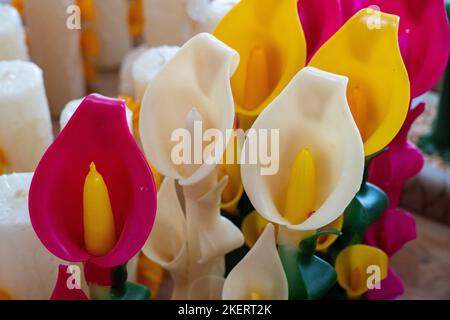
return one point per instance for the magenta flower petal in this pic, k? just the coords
(401, 162)
(98, 132)
(394, 229)
(391, 288)
(320, 20)
(424, 37)
(62, 291)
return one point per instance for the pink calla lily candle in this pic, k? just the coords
(93, 197)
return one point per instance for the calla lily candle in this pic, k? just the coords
(71, 107)
(325, 169)
(181, 101)
(379, 108)
(25, 125)
(56, 49)
(272, 49)
(93, 198)
(12, 35)
(423, 37)
(260, 274)
(355, 265)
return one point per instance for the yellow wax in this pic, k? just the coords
(99, 229)
(2, 162)
(301, 192)
(358, 105)
(355, 279)
(257, 87)
(255, 296)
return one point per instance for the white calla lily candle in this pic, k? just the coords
(25, 124)
(321, 154)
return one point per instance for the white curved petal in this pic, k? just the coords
(312, 112)
(167, 243)
(259, 272)
(198, 76)
(210, 234)
(206, 288)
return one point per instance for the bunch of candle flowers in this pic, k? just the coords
(330, 81)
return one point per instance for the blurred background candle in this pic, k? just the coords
(27, 269)
(25, 125)
(111, 27)
(147, 66)
(12, 35)
(174, 22)
(56, 49)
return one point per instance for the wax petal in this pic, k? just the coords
(97, 132)
(259, 272)
(203, 85)
(207, 288)
(167, 244)
(252, 227)
(62, 291)
(378, 81)
(312, 112)
(394, 229)
(424, 38)
(391, 288)
(359, 258)
(320, 20)
(210, 234)
(274, 27)
(401, 162)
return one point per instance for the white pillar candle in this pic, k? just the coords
(25, 125)
(56, 49)
(148, 65)
(27, 270)
(12, 35)
(126, 83)
(73, 105)
(111, 27)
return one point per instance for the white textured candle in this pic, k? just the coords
(111, 26)
(56, 49)
(27, 269)
(148, 65)
(12, 35)
(176, 21)
(25, 125)
(126, 84)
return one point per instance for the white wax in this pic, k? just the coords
(111, 27)
(27, 269)
(176, 21)
(148, 65)
(73, 105)
(25, 125)
(126, 83)
(12, 35)
(56, 49)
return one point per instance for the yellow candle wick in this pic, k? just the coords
(301, 192)
(98, 218)
(255, 296)
(257, 87)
